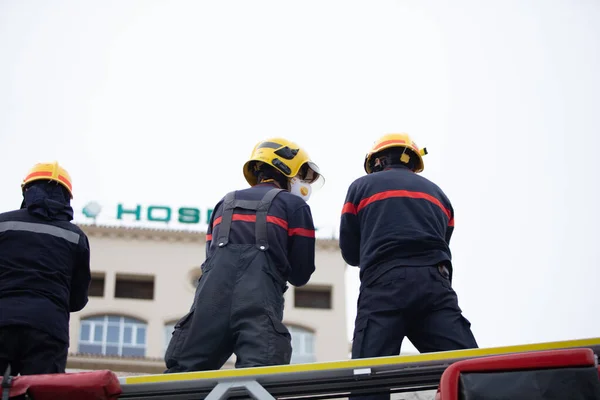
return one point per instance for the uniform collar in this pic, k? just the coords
(397, 166)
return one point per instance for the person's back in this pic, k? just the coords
(397, 227)
(44, 274)
(404, 218)
(291, 242)
(258, 239)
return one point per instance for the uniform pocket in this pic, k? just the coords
(439, 277)
(206, 266)
(184, 320)
(275, 275)
(275, 288)
(466, 321)
(280, 341)
(385, 278)
(469, 339)
(178, 338)
(358, 339)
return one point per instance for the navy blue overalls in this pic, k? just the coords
(396, 225)
(238, 305)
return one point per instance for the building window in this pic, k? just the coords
(134, 287)
(169, 328)
(303, 345)
(113, 335)
(312, 297)
(96, 288)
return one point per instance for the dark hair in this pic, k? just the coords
(392, 156)
(266, 172)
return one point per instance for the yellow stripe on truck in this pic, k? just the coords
(361, 363)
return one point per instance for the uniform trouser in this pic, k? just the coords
(238, 308)
(416, 302)
(30, 351)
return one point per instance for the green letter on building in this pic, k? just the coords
(121, 211)
(188, 215)
(166, 218)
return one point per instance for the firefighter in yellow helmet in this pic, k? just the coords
(258, 239)
(400, 144)
(45, 274)
(396, 227)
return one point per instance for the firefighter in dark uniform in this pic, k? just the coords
(44, 274)
(258, 239)
(396, 225)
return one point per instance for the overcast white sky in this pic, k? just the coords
(160, 102)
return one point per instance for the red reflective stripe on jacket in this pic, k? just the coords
(274, 220)
(252, 218)
(388, 194)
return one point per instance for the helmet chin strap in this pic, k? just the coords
(404, 158)
(273, 181)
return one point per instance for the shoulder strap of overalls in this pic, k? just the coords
(230, 203)
(260, 232)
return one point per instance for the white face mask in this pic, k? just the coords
(300, 188)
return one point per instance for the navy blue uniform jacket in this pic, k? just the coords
(395, 218)
(44, 271)
(290, 230)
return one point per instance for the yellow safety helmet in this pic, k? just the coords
(49, 171)
(283, 155)
(397, 140)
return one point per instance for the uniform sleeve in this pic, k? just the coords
(350, 230)
(81, 277)
(301, 245)
(450, 227)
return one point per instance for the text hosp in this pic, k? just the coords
(156, 213)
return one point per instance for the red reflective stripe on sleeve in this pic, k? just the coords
(349, 208)
(310, 233)
(208, 237)
(217, 221)
(405, 193)
(277, 221)
(451, 222)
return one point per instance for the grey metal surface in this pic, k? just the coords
(255, 390)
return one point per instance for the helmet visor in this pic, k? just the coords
(310, 173)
